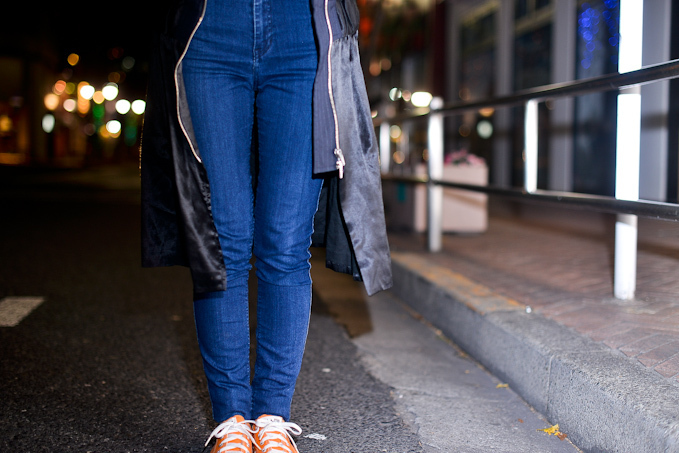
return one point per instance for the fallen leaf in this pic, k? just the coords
(520, 420)
(554, 429)
(551, 430)
(502, 386)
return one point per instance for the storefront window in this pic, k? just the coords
(532, 68)
(477, 81)
(595, 114)
(533, 58)
(525, 8)
(477, 45)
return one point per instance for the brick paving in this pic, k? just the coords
(560, 263)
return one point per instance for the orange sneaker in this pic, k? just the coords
(233, 435)
(273, 435)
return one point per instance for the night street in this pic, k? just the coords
(108, 362)
(504, 176)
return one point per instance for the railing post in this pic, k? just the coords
(627, 188)
(625, 267)
(435, 171)
(530, 153)
(628, 149)
(385, 147)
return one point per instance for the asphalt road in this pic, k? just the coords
(109, 361)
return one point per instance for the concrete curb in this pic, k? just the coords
(602, 399)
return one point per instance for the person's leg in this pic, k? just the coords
(286, 201)
(217, 71)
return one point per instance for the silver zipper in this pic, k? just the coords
(340, 162)
(176, 82)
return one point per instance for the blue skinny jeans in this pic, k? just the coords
(255, 59)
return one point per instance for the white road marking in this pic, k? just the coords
(14, 309)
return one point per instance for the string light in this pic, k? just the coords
(591, 22)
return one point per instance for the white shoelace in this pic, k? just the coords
(233, 430)
(276, 431)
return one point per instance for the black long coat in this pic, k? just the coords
(177, 225)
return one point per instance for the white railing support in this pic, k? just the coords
(625, 267)
(628, 149)
(530, 153)
(385, 147)
(435, 172)
(627, 188)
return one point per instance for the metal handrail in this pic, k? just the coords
(587, 202)
(608, 82)
(627, 210)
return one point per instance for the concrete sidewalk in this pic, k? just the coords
(531, 299)
(450, 402)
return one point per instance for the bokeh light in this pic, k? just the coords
(98, 112)
(395, 94)
(115, 52)
(83, 106)
(485, 129)
(395, 132)
(138, 106)
(6, 124)
(98, 97)
(51, 101)
(593, 22)
(421, 99)
(73, 59)
(128, 63)
(48, 123)
(87, 91)
(114, 127)
(69, 105)
(375, 67)
(110, 91)
(103, 132)
(489, 111)
(59, 87)
(123, 106)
